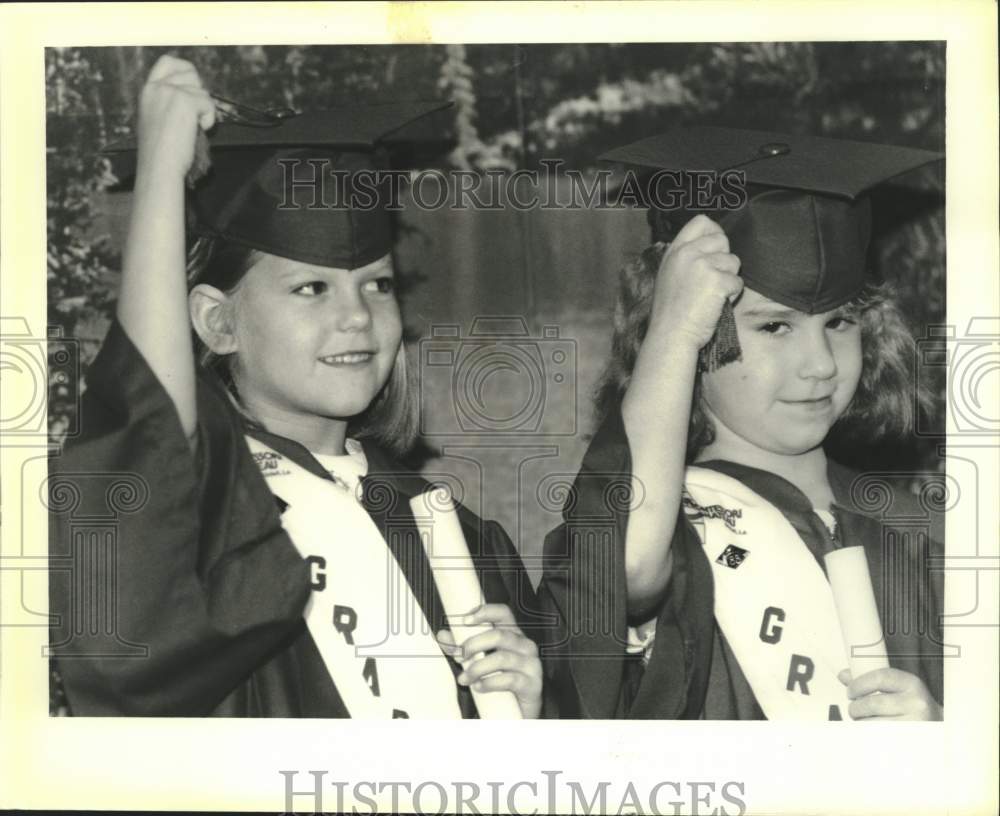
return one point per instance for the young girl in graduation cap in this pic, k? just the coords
(740, 343)
(273, 566)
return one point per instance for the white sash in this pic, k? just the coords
(772, 600)
(367, 624)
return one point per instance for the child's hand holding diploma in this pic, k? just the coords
(512, 664)
(890, 694)
(501, 659)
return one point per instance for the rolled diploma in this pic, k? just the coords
(458, 586)
(847, 570)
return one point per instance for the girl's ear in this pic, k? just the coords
(212, 317)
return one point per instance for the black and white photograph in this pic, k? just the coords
(644, 388)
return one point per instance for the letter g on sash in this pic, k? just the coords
(771, 632)
(317, 572)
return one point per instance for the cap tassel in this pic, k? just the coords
(202, 162)
(724, 347)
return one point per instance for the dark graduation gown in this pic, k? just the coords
(691, 672)
(175, 588)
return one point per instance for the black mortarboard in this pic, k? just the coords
(802, 236)
(304, 186)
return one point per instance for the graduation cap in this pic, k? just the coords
(802, 234)
(302, 186)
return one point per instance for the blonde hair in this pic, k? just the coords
(390, 419)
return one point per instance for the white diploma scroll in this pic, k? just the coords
(457, 584)
(847, 569)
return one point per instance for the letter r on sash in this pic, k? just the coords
(800, 672)
(345, 621)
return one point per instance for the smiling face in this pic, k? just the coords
(797, 376)
(313, 344)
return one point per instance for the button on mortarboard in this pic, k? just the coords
(774, 149)
(276, 188)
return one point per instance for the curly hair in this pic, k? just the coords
(885, 404)
(390, 419)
